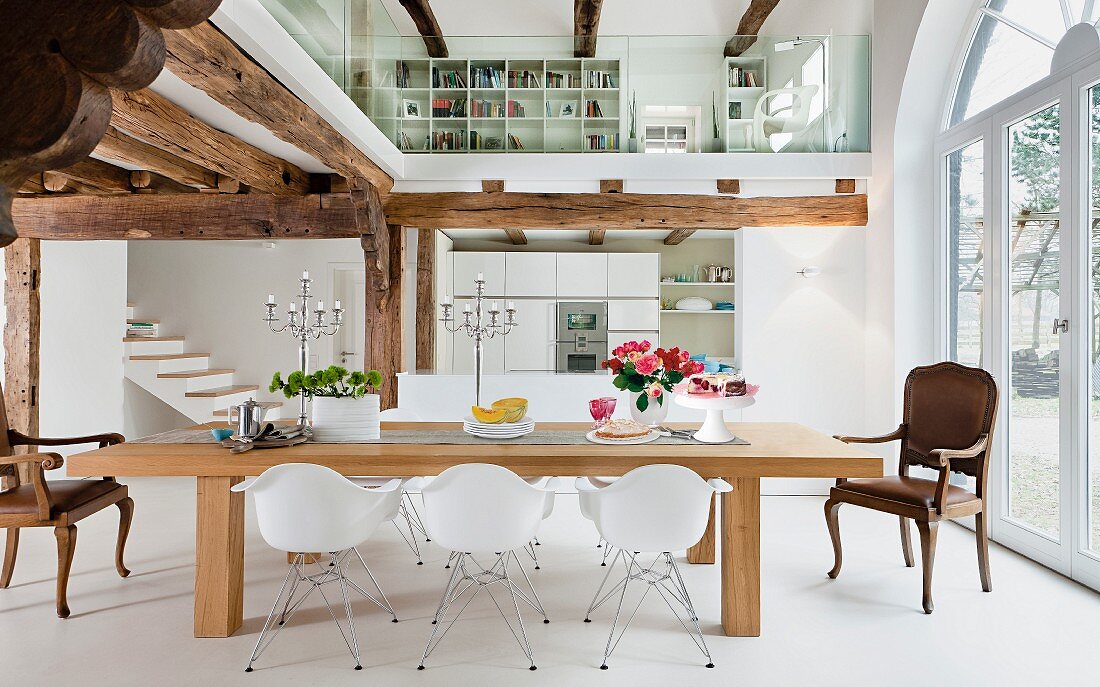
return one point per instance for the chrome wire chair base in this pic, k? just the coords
(468, 578)
(662, 575)
(412, 523)
(530, 549)
(299, 578)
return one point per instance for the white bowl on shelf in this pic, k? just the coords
(694, 303)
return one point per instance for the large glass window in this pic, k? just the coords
(1093, 471)
(966, 253)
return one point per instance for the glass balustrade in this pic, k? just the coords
(645, 94)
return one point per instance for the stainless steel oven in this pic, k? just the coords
(582, 336)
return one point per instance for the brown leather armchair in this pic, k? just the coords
(947, 425)
(55, 503)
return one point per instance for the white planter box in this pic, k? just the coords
(345, 420)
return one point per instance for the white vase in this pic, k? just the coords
(346, 420)
(653, 415)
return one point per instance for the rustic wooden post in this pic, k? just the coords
(425, 300)
(384, 256)
(22, 267)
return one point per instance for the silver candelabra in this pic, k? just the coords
(304, 326)
(474, 326)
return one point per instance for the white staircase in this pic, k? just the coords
(184, 380)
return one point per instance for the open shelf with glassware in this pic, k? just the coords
(447, 105)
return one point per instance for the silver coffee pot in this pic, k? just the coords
(247, 419)
(714, 273)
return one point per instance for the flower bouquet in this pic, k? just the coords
(648, 375)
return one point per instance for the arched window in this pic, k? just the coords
(1010, 49)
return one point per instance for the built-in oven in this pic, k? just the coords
(582, 336)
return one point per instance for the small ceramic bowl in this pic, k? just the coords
(221, 433)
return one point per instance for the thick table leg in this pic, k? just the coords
(219, 557)
(703, 552)
(741, 558)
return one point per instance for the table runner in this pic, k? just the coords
(427, 436)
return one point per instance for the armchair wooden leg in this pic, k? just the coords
(125, 517)
(982, 535)
(928, 533)
(10, 551)
(831, 519)
(906, 542)
(66, 545)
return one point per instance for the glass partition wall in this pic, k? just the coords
(1019, 266)
(531, 94)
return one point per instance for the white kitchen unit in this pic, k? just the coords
(633, 314)
(530, 345)
(466, 267)
(531, 274)
(582, 275)
(633, 275)
(462, 346)
(616, 339)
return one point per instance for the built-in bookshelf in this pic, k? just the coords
(746, 80)
(476, 105)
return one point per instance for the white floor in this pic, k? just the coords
(865, 628)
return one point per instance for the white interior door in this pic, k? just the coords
(349, 286)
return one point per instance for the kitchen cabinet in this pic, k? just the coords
(582, 275)
(633, 315)
(633, 275)
(462, 347)
(530, 345)
(531, 274)
(466, 266)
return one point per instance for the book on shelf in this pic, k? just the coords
(444, 108)
(514, 142)
(447, 79)
(448, 140)
(558, 80)
(486, 108)
(403, 142)
(603, 141)
(486, 77)
(592, 108)
(141, 329)
(515, 109)
(742, 78)
(402, 73)
(598, 79)
(523, 78)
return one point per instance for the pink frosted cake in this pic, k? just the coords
(721, 384)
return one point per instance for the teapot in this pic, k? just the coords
(714, 273)
(249, 418)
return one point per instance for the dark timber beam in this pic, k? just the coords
(22, 331)
(676, 237)
(749, 26)
(161, 123)
(194, 216)
(515, 235)
(425, 300)
(206, 59)
(845, 186)
(117, 146)
(596, 236)
(426, 24)
(620, 211)
(586, 23)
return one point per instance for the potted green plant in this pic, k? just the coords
(345, 404)
(632, 142)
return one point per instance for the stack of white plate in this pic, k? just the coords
(503, 430)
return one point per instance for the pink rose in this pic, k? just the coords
(697, 367)
(655, 390)
(647, 364)
(619, 352)
(630, 346)
(684, 356)
(633, 356)
(644, 346)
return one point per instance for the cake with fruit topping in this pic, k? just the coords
(622, 429)
(722, 384)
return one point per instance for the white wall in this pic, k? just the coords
(83, 292)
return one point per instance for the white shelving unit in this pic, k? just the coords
(696, 284)
(536, 131)
(738, 130)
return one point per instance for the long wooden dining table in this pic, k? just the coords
(773, 450)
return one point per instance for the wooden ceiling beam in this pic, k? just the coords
(165, 125)
(586, 23)
(252, 216)
(515, 235)
(596, 236)
(99, 176)
(116, 145)
(731, 186)
(208, 60)
(426, 24)
(749, 26)
(677, 237)
(620, 211)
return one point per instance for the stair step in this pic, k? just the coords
(135, 339)
(169, 356)
(219, 391)
(222, 412)
(188, 374)
(142, 321)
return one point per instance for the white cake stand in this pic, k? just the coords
(714, 430)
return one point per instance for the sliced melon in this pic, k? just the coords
(516, 408)
(490, 416)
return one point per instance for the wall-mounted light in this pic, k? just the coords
(809, 271)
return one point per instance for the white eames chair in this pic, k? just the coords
(585, 497)
(792, 119)
(653, 509)
(304, 507)
(484, 509)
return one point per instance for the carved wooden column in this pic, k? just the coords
(425, 300)
(22, 269)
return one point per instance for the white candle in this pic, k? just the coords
(320, 305)
(480, 276)
(305, 274)
(493, 307)
(337, 306)
(446, 300)
(467, 308)
(271, 298)
(511, 305)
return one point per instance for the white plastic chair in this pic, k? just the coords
(765, 124)
(480, 508)
(585, 498)
(304, 507)
(652, 509)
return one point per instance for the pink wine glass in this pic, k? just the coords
(597, 407)
(609, 405)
